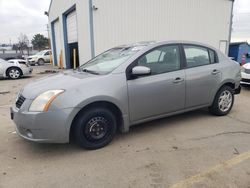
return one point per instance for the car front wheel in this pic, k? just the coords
(95, 128)
(40, 62)
(14, 73)
(223, 101)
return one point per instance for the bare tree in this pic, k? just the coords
(23, 42)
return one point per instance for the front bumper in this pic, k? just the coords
(245, 78)
(42, 127)
(27, 71)
(32, 62)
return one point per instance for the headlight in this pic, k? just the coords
(43, 101)
(243, 69)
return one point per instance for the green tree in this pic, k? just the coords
(39, 42)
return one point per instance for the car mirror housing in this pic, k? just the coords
(141, 71)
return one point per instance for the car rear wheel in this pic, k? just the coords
(223, 101)
(14, 73)
(95, 128)
(40, 62)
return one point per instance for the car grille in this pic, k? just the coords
(245, 80)
(247, 71)
(20, 101)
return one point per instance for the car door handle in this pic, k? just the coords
(178, 80)
(215, 71)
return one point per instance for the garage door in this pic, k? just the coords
(58, 43)
(71, 21)
(72, 38)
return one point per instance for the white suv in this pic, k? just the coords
(40, 58)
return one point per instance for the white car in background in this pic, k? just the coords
(14, 68)
(245, 74)
(40, 58)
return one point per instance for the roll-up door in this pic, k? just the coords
(58, 44)
(72, 39)
(72, 27)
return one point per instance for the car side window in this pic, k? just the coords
(196, 56)
(213, 56)
(161, 60)
(47, 53)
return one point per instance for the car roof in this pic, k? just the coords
(144, 44)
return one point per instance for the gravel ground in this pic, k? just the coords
(194, 149)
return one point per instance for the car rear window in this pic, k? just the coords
(213, 56)
(196, 56)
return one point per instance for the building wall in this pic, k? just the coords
(126, 21)
(118, 22)
(58, 7)
(234, 52)
(244, 49)
(238, 50)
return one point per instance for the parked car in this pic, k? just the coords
(40, 58)
(245, 74)
(124, 86)
(14, 68)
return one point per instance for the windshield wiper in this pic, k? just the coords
(90, 71)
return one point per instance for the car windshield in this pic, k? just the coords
(109, 60)
(40, 53)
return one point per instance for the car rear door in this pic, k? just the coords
(161, 92)
(203, 75)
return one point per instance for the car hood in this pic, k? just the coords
(246, 66)
(32, 56)
(65, 80)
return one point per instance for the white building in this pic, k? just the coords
(92, 26)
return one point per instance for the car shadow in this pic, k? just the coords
(168, 121)
(21, 78)
(245, 86)
(136, 130)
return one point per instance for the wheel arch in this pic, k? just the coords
(40, 58)
(6, 72)
(101, 103)
(229, 83)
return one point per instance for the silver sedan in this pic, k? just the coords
(124, 86)
(14, 68)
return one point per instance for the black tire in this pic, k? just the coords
(95, 128)
(40, 62)
(215, 109)
(14, 73)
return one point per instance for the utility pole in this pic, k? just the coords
(47, 14)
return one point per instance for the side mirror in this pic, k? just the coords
(141, 71)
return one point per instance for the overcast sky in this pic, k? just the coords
(241, 21)
(27, 16)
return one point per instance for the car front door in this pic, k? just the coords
(2, 67)
(161, 92)
(203, 75)
(47, 56)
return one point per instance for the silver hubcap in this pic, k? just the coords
(14, 73)
(225, 101)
